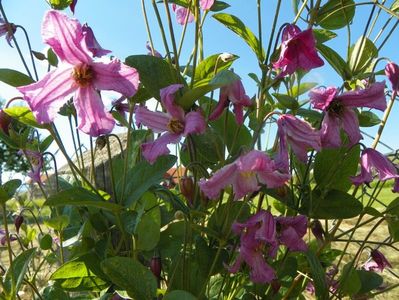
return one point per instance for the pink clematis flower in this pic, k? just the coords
(339, 112)
(91, 42)
(234, 93)
(36, 160)
(392, 72)
(78, 74)
(176, 123)
(372, 159)
(244, 174)
(7, 29)
(378, 262)
(298, 51)
(183, 15)
(257, 235)
(299, 135)
(206, 4)
(291, 231)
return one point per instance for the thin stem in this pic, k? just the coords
(30, 50)
(197, 25)
(7, 234)
(161, 27)
(147, 26)
(111, 170)
(172, 36)
(384, 120)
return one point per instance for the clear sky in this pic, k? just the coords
(119, 26)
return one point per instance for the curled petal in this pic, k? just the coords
(322, 97)
(220, 106)
(273, 179)
(94, 119)
(392, 72)
(168, 100)
(152, 150)
(350, 124)
(330, 131)
(156, 121)
(260, 272)
(65, 36)
(117, 77)
(290, 238)
(92, 43)
(194, 123)
(46, 96)
(222, 178)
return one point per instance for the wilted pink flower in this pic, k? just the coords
(298, 51)
(3, 237)
(258, 238)
(91, 42)
(7, 29)
(36, 160)
(80, 75)
(290, 231)
(339, 112)
(72, 6)
(392, 72)
(183, 15)
(244, 175)
(299, 135)
(372, 159)
(151, 51)
(206, 4)
(176, 123)
(234, 93)
(120, 106)
(378, 262)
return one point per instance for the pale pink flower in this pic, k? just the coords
(206, 4)
(183, 15)
(78, 74)
(5, 29)
(36, 161)
(175, 123)
(392, 72)
(291, 230)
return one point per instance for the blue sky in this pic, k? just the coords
(120, 27)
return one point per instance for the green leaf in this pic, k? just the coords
(14, 78)
(78, 196)
(11, 187)
(392, 217)
(209, 67)
(395, 5)
(334, 204)
(144, 175)
(45, 242)
(286, 101)
(58, 223)
(52, 58)
(179, 295)
(350, 282)
(336, 14)
(54, 292)
(149, 227)
(239, 28)
(334, 167)
(335, 60)
(60, 4)
(45, 143)
(155, 73)
(15, 274)
(131, 276)
(318, 275)
(219, 6)
(361, 55)
(24, 115)
(323, 35)
(368, 119)
(369, 281)
(302, 88)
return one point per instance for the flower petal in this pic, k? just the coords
(244, 184)
(330, 131)
(168, 100)
(92, 43)
(206, 4)
(222, 178)
(350, 124)
(322, 97)
(115, 76)
(181, 15)
(155, 120)
(194, 123)
(94, 119)
(152, 150)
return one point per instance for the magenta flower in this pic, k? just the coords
(7, 29)
(378, 262)
(151, 51)
(339, 112)
(372, 159)
(80, 75)
(290, 231)
(234, 93)
(258, 235)
(396, 185)
(91, 42)
(299, 135)
(3, 237)
(36, 160)
(298, 51)
(392, 72)
(183, 15)
(176, 123)
(244, 175)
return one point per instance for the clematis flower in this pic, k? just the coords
(396, 186)
(151, 51)
(36, 160)
(257, 235)
(176, 123)
(3, 237)
(378, 262)
(244, 175)
(339, 112)
(80, 75)
(290, 231)
(299, 135)
(206, 4)
(372, 159)
(7, 29)
(298, 51)
(183, 15)
(392, 72)
(234, 93)
(91, 42)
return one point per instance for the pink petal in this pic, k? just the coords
(46, 96)
(93, 118)
(65, 36)
(222, 178)
(220, 106)
(181, 15)
(289, 237)
(392, 72)
(254, 161)
(244, 184)
(168, 100)
(365, 175)
(206, 4)
(350, 124)
(273, 179)
(260, 272)
(92, 43)
(155, 120)
(194, 123)
(152, 150)
(282, 158)
(330, 132)
(115, 76)
(385, 168)
(322, 97)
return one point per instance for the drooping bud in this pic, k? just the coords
(19, 220)
(380, 259)
(156, 266)
(5, 121)
(187, 188)
(392, 72)
(317, 230)
(101, 142)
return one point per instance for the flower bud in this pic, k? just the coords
(101, 142)
(179, 215)
(380, 259)
(156, 266)
(226, 57)
(317, 230)
(392, 72)
(187, 188)
(18, 222)
(5, 121)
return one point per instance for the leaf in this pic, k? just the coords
(392, 217)
(361, 55)
(368, 119)
(15, 274)
(323, 35)
(14, 78)
(395, 6)
(155, 73)
(144, 175)
(335, 60)
(24, 115)
(318, 275)
(46, 143)
(239, 28)
(131, 276)
(149, 227)
(334, 204)
(39, 55)
(286, 101)
(78, 196)
(350, 282)
(58, 223)
(179, 295)
(334, 167)
(302, 88)
(52, 58)
(11, 187)
(54, 292)
(219, 6)
(60, 4)
(369, 281)
(336, 14)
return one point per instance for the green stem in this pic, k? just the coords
(7, 233)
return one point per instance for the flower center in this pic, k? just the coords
(175, 126)
(247, 174)
(336, 108)
(83, 75)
